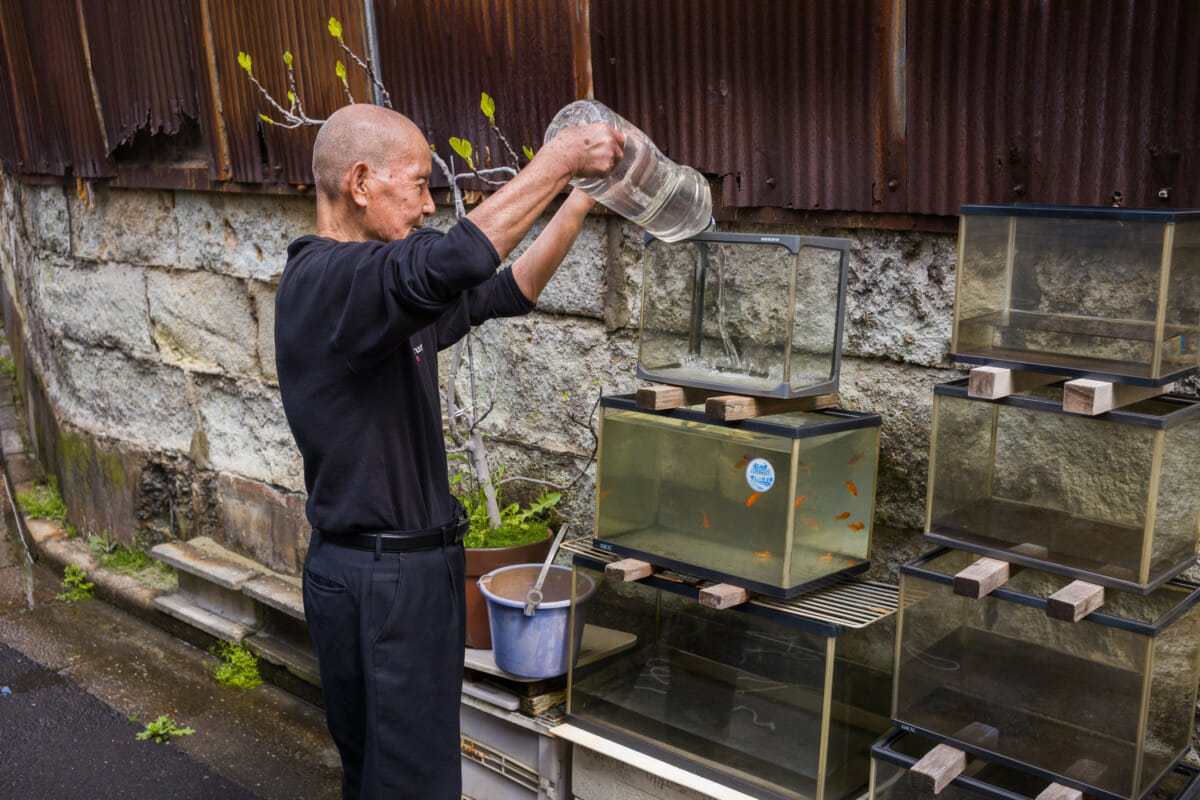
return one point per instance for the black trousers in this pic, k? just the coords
(390, 638)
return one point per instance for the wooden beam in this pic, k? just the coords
(628, 569)
(1030, 550)
(992, 383)
(1075, 601)
(723, 595)
(733, 407)
(981, 578)
(1056, 791)
(1088, 397)
(937, 769)
(661, 398)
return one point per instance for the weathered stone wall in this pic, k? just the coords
(146, 355)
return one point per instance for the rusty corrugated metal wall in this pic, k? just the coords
(141, 57)
(907, 107)
(777, 97)
(1066, 102)
(439, 56)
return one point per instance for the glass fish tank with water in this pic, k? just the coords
(894, 756)
(1104, 705)
(744, 313)
(1112, 499)
(765, 697)
(1107, 293)
(770, 504)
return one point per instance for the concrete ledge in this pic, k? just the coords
(205, 620)
(188, 558)
(296, 660)
(279, 593)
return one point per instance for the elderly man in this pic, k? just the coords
(361, 311)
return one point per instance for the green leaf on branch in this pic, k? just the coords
(488, 106)
(292, 98)
(287, 59)
(463, 148)
(244, 62)
(335, 28)
(266, 119)
(340, 69)
(528, 151)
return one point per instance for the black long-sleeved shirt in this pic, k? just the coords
(357, 330)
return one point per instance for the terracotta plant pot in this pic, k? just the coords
(481, 561)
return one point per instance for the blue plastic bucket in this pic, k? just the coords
(535, 646)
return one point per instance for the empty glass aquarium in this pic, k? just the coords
(769, 504)
(765, 697)
(1104, 705)
(894, 755)
(1111, 499)
(744, 313)
(1110, 293)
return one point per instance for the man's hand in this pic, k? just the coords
(596, 148)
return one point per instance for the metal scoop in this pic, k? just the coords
(533, 597)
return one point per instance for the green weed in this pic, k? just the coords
(8, 368)
(162, 729)
(43, 501)
(239, 667)
(76, 583)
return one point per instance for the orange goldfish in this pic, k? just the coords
(850, 562)
(750, 500)
(856, 526)
(742, 462)
(826, 556)
(703, 519)
(843, 515)
(800, 500)
(854, 459)
(853, 489)
(604, 494)
(879, 610)
(762, 553)
(811, 523)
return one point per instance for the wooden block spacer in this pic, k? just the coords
(981, 578)
(993, 383)
(661, 397)
(733, 407)
(1088, 397)
(1056, 791)
(1075, 601)
(628, 569)
(723, 595)
(937, 769)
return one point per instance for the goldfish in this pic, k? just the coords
(742, 462)
(850, 562)
(703, 519)
(856, 526)
(843, 515)
(811, 523)
(826, 556)
(750, 500)
(853, 489)
(879, 610)
(800, 500)
(854, 459)
(762, 553)
(604, 494)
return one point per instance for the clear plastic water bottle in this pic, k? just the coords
(668, 200)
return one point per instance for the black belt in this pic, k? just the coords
(402, 541)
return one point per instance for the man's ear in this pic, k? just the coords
(360, 175)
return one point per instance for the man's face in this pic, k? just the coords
(399, 199)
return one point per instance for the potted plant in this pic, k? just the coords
(522, 537)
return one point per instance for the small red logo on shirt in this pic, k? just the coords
(418, 350)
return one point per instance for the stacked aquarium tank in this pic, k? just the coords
(744, 313)
(1113, 500)
(770, 504)
(893, 757)
(1108, 293)
(998, 678)
(778, 699)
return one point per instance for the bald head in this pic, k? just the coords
(362, 132)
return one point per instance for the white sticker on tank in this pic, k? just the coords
(760, 474)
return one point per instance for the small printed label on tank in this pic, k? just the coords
(760, 474)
